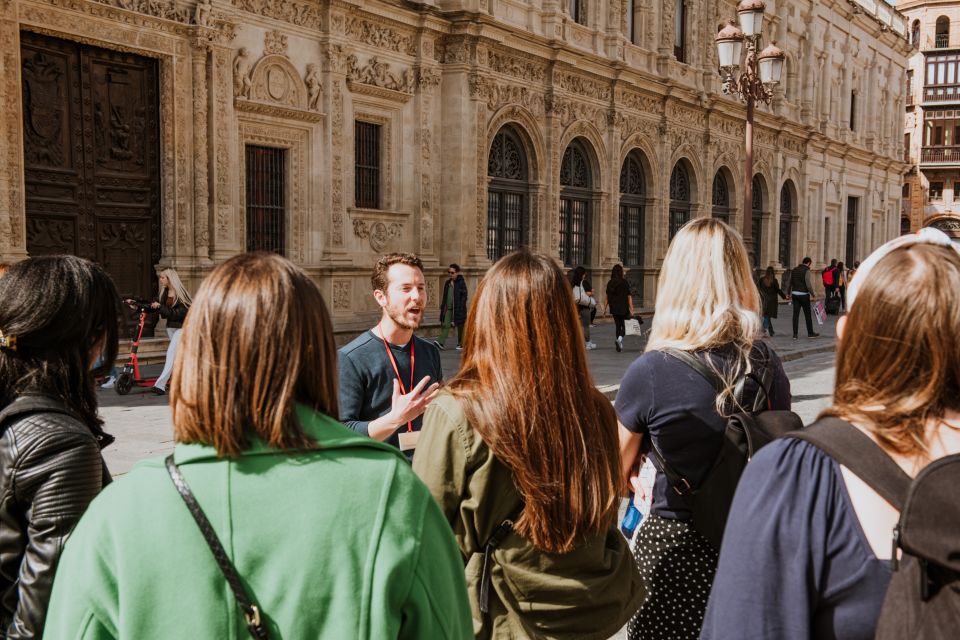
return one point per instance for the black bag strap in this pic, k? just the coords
(251, 612)
(858, 452)
(495, 540)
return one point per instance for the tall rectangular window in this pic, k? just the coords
(578, 11)
(853, 111)
(679, 33)
(266, 177)
(906, 147)
(853, 204)
(936, 191)
(367, 165)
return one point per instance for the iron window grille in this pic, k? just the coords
(266, 181)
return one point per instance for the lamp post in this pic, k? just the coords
(761, 73)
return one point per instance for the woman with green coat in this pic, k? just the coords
(330, 533)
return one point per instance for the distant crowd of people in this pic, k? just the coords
(357, 493)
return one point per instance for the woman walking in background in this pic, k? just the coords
(173, 304)
(841, 282)
(586, 303)
(769, 290)
(521, 449)
(702, 309)
(807, 548)
(619, 303)
(329, 532)
(59, 313)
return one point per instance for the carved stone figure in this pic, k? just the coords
(242, 67)
(314, 87)
(203, 13)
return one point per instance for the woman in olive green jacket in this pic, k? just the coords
(330, 532)
(522, 448)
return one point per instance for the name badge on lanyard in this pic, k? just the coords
(408, 438)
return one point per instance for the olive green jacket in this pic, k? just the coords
(588, 593)
(340, 542)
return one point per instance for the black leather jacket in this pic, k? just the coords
(50, 470)
(174, 315)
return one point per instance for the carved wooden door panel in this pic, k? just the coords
(91, 136)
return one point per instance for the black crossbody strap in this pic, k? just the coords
(697, 365)
(251, 612)
(858, 452)
(496, 539)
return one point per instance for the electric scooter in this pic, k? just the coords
(130, 375)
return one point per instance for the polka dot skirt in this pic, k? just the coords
(678, 565)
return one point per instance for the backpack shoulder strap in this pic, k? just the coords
(697, 365)
(856, 451)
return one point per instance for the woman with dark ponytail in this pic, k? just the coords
(59, 314)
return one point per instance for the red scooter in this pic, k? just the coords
(130, 375)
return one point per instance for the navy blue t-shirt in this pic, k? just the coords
(795, 562)
(663, 398)
(367, 375)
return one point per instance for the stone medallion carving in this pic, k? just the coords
(377, 233)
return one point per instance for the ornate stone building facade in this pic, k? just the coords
(179, 133)
(931, 190)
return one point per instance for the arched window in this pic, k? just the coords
(757, 220)
(576, 195)
(721, 197)
(915, 34)
(633, 192)
(786, 223)
(679, 198)
(904, 226)
(942, 39)
(507, 195)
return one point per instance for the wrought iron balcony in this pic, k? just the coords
(941, 41)
(940, 155)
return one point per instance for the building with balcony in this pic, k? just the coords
(180, 132)
(931, 190)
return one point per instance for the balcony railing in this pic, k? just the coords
(941, 93)
(910, 99)
(941, 41)
(945, 155)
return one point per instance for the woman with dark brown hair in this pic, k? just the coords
(323, 527)
(619, 303)
(520, 451)
(807, 550)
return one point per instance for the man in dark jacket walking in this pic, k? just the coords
(453, 306)
(801, 292)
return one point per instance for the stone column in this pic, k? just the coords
(201, 152)
(13, 241)
(223, 148)
(808, 75)
(336, 78)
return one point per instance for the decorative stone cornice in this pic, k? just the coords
(277, 111)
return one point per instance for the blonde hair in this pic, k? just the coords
(706, 298)
(898, 364)
(176, 288)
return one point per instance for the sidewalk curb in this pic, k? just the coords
(610, 390)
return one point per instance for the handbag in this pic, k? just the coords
(632, 327)
(251, 612)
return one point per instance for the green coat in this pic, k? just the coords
(587, 594)
(341, 542)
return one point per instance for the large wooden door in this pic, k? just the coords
(91, 135)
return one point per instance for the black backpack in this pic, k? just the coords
(745, 433)
(923, 599)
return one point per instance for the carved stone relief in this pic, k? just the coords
(342, 294)
(583, 86)
(376, 35)
(377, 73)
(497, 94)
(336, 153)
(517, 67)
(301, 14)
(378, 233)
(275, 43)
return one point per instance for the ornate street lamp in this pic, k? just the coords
(761, 73)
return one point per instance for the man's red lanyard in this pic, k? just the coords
(396, 369)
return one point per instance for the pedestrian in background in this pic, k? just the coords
(173, 302)
(801, 293)
(841, 280)
(619, 303)
(583, 297)
(521, 449)
(829, 279)
(59, 313)
(330, 533)
(453, 306)
(702, 309)
(807, 548)
(769, 288)
(388, 375)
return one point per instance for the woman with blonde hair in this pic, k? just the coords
(323, 532)
(706, 307)
(807, 548)
(173, 304)
(520, 451)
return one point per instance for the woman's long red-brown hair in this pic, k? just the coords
(525, 387)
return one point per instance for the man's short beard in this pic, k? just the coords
(400, 321)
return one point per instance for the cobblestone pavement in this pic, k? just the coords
(141, 420)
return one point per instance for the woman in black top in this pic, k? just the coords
(173, 304)
(59, 313)
(769, 290)
(619, 302)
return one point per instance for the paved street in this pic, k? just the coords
(141, 421)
